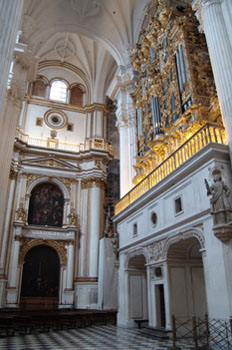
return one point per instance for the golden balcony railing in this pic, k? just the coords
(207, 134)
(95, 143)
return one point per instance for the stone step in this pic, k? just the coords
(156, 332)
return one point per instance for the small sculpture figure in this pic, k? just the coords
(220, 202)
(72, 217)
(21, 214)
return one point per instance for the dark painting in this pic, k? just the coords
(41, 273)
(46, 205)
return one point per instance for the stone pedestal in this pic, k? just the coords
(107, 297)
(223, 232)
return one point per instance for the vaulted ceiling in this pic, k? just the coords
(94, 35)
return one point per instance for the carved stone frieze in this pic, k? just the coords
(155, 251)
(47, 233)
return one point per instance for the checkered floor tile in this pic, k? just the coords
(96, 337)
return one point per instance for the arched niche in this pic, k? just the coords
(39, 87)
(76, 95)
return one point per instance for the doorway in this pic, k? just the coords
(160, 305)
(40, 279)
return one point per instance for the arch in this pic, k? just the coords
(76, 95)
(46, 205)
(54, 180)
(70, 67)
(39, 86)
(191, 233)
(134, 253)
(59, 90)
(30, 243)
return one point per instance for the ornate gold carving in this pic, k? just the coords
(28, 243)
(67, 182)
(97, 163)
(12, 174)
(93, 182)
(18, 238)
(21, 213)
(31, 178)
(70, 242)
(72, 217)
(170, 40)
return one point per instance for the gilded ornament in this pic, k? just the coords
(28, 243)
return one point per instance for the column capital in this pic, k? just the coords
(200, 6)
(93, 182)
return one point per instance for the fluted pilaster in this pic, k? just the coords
(220, 51)
(10, 14)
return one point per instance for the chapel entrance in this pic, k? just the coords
(138, 309)
(40, 280)
(186, 276)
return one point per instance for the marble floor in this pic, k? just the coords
(90, 338)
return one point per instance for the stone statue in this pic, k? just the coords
(220, 202)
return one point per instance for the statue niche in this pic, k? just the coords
(46, 205)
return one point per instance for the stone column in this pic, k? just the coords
(14, 262)
(11, 193)
(213, 23)
(69, 281)
(24, 71)
(10, 15)
(95, 207)
(167, 296)
(8, 123)
(127, 156)
(125, 114)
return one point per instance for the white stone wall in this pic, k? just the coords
(182, 280)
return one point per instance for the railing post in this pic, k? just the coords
(207, 329)
(194, 323)
(173, 332)
(231, 324)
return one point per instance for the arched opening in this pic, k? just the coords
(187, 283)
(76, 96)
(40, 279)
(39, 88)
(46, 205)
(58, 91)
(138, 305)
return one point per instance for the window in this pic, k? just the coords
(135, 230)
(58, 91)
(178, 205)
